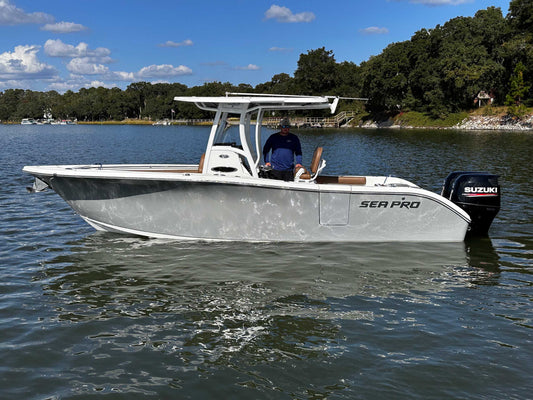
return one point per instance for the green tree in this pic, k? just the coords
(67, 107)
(139, 92)
(386, 78)
(349, 81)
(519, 46)
(52, 101)
(115, 105)
(439, 70)
(521, 15)
(316, 72)
(518, 89)
(30, 105)
(9, 102)
(279, 84)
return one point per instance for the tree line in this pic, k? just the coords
(437, 72)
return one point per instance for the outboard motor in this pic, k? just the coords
(478, 193)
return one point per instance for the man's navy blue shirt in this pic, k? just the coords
(284, 149)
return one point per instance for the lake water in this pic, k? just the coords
(92, 315)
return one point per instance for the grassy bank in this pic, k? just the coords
(420, 120)
(411, 119)
(414, 119)
(124, 122)
(137, 122)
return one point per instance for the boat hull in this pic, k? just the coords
(247, 210)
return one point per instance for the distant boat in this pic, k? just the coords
(162, 122)
(65, 122)
(31, 121)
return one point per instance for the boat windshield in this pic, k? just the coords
(229, 136)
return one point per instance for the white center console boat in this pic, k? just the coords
(227, 196)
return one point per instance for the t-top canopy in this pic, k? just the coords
(241, 102)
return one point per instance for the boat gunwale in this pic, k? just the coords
(195, 177)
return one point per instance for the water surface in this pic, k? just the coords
(87, 315)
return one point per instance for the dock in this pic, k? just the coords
(336, 121)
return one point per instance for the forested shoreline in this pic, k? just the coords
(438, 72)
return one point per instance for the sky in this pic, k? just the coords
(71, 44)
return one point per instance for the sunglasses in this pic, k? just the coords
(285, 126)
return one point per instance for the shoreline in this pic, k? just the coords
(471, 123)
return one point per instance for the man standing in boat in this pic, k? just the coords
(284, 148)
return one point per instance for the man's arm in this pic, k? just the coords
(298, 152)
(266, 149)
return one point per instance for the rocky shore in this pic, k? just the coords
(473, 122)
(496, 123)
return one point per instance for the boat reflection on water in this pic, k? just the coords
(107, 269)
(482, 254)
(199, 307)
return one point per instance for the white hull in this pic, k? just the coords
(141, 200)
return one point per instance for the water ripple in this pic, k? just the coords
(88, 314)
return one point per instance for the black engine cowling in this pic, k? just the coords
(478, 193)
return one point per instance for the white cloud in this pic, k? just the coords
(96, 84)
(120, 76)
(56, 48)
(283, 14)
(63, 86)
(22, 84)
(63, 27)
(86, 66)
(249, 67)
(281, 49)
(163, 71)
(11, 15)
(23, 63)
(374, 30)
(159, 81)
(170, 43)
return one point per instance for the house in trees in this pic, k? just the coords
(484, 99)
